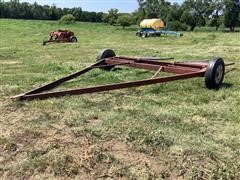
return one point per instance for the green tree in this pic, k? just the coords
(36, 11)
(190, 18)
(77, 13)
(67, 19)
(177, 26)
(124, 20)
(175, 12)
(2, 10)
(135, 18)
(231, 13)
(154, 9)
(141, 12)
(16, 9)
(111, 17)
(53, 12)
(199, 9)
(215, 19)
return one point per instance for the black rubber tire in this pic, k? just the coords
(50, 38)
(73, 39)
(144, 35)
(105, 53)
(214, 74)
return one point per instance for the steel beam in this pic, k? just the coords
(111, 86)
(62, 80)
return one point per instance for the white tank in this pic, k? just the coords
(152, 23)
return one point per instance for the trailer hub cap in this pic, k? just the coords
(219, 74)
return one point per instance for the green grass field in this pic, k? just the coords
(177, 130)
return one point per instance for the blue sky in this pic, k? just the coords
(94, 5)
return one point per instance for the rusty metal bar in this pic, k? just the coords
(62, 80)
(229, 64)
(144, 58)
(169, 67)
(111, 86)
(107, 65)
(198, 65)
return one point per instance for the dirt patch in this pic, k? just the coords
(196, 120)
(125, 153)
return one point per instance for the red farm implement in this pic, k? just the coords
(213, 71)
(61, 36)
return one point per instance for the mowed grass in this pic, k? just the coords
(176, 130)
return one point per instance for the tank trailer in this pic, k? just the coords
(154, 27)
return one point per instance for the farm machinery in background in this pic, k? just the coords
(61, 36)
(154, 27)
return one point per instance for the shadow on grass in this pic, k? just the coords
(116, 69)
(226, 85)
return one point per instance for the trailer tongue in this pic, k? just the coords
(213, 71)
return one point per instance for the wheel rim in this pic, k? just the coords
(219, 74)
(54, 37)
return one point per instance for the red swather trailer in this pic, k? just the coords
(213, 71)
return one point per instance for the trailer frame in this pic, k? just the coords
(150, 32)
(107, 60)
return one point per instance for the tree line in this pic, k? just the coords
(193, 12)
(15, 9)
(188, 15)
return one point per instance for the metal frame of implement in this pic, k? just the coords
(181, 70)
(61, 36)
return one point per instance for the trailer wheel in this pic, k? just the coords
(144, 35)
(215, 73)
(54, 37)
(73, 39)
(105, 53)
